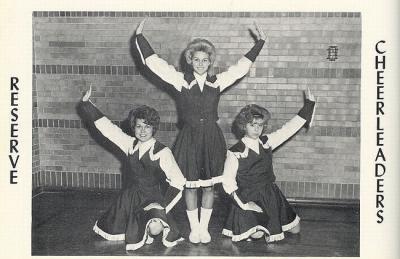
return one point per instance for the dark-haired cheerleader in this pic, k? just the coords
(141, 211)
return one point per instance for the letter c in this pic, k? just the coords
(377, 47)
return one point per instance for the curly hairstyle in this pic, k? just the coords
(200, 45)
(146, 113)
(246, 115)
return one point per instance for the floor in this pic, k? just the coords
(62, 225)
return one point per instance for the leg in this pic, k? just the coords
(205, 214)
(295, 230)
(191, 198)
(207, 198)
(193, 214)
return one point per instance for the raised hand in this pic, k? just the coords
(139, 28)
(253, 206)
(87, 95)
(261, 35)
(308, 108)
(309, 95)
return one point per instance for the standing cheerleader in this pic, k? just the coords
(259, 207)
(141, 210)
(200, 147)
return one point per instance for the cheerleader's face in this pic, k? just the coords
(143, 131)
(255, 128)
(200, 62)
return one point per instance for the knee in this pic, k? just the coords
(155, 228)
(295, 230)
(208, 190)
(191, 191)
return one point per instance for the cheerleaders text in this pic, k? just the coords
(380, 168)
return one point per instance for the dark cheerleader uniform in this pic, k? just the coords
(249, 176)
(200, 147)
(144, 201)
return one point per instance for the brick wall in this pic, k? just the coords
(75, 49)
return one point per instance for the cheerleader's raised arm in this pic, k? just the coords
(242, 67)
(157, 65)
(104, 125)
(303, 118)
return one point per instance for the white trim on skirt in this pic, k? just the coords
(147, 239)
(251, 231)
(204, 183)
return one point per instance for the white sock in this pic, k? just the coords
(193, 216)
(205, 215)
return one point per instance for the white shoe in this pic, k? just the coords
(194, 237)
(205, 215)
(193, 216)
(205, 237)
